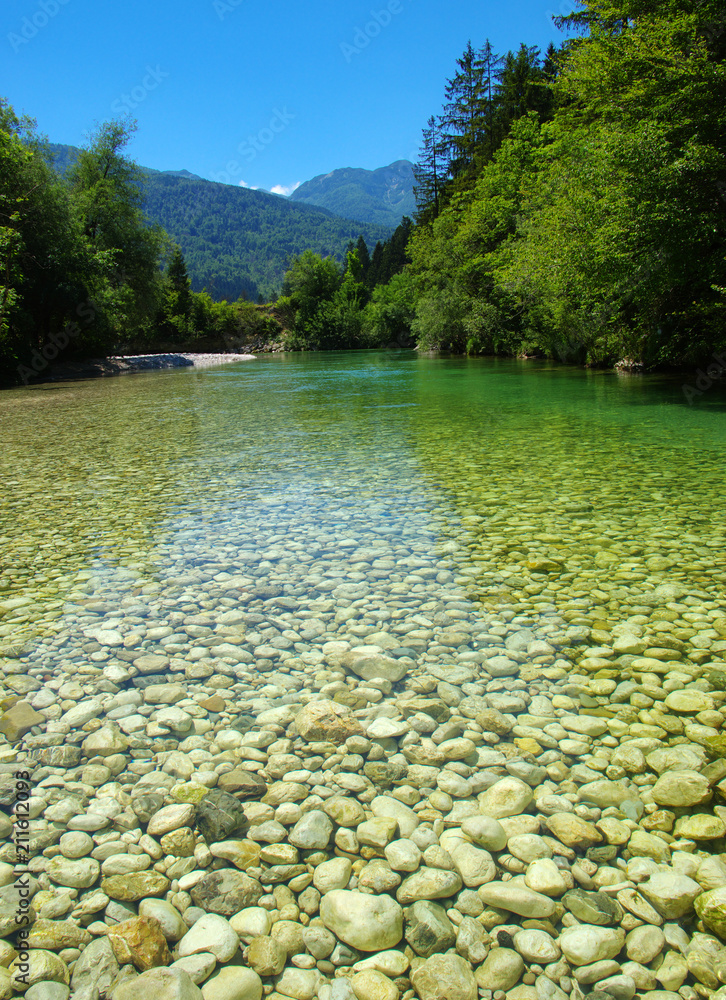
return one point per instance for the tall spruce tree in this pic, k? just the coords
(464, 111)
(488, 64)
(430, 171)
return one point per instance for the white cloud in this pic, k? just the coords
(285, 189)
(244, 184)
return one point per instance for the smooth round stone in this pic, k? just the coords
(501, 970)
(266, 956)
(161, 984)
(386, 805)
(131, 888)
(362, 920)
(403, 855)
(545, 877)
(210, 933)
(333, 874)
(606, 793)
(125, 864)
(593, 907)
(700, 827)
(586, 944)
(428, 883)
(40, 966)
(371, 984)
(174, 719)
(528, 847)
(345, 811)
(312, 832)
(517, 899)
(252, 922)
(391, 963)
(197, 967)
(584, 725)
(537, 946)
(169, 918)
(507, 797)
(164, 694)
(105, 742)
(711, 908)
(48, 991)
(319, 942)
(573, 831)
(171, 818)
(428, 929)
(242, 853)
(300, 984)
(678, 758)
(81, 873)
(681, 789)
(618, 987)
(643, 943)
(485, 832)
(445, 977)
(76, 845)
(387, 729)
(689, 701)
(671, 895)
(711, 874)
(475, 865)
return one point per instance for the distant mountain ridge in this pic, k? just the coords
(380, 196)
(237, 241)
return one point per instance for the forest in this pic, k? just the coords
(570, 205)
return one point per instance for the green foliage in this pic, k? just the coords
(239, 242)
(597, 229)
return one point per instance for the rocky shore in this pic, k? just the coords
(70, 371)
(255, 794)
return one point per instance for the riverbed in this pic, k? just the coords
(399, 608)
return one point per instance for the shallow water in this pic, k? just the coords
(512, 485)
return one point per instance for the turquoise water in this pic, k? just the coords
(524, 484)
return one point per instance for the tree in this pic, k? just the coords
(430, 171)
(107, 189)
(364, 257)
(179, 283)
(488, 64)
(465, 111)
(46, 267)
(521, 86)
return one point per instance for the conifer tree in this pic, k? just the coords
(465, 113)
(488, 64)
(430, 171)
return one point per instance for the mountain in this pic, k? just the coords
(236, 241)
(380, 196)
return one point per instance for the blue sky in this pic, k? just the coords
(265, 95)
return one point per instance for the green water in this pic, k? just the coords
(525, 484)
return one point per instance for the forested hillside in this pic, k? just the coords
(236, 241)
(380, 197)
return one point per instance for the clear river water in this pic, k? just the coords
(510, 487)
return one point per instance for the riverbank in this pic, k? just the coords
(71, 371)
